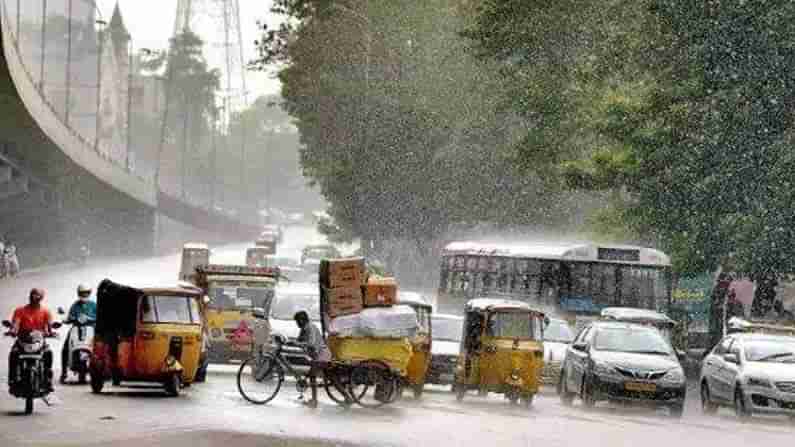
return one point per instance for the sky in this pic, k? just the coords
(151, 23)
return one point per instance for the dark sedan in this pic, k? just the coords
(623, 362)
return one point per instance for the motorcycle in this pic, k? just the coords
(80, 342)
(29, 379)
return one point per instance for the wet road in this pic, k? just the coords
(214, 414)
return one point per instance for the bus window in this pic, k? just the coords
(631, 287)
(603, 284)
(580, 279)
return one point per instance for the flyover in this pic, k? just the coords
(65, 179)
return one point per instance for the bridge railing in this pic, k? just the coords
(85, 68)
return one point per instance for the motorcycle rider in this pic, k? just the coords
(32, 317)
(82, 307)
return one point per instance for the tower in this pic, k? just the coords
(218, 24)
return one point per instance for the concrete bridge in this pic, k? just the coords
(67, 165)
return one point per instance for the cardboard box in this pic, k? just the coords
(380, 292)
(346, 272)
(344, 301)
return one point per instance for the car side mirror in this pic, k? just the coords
(61, 311)
(582, 347)
(259, 312)
(7, 324)
(546, 322)
(731, 358)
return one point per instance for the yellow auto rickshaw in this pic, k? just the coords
(147, 335)
(502, 350)
(420, 343)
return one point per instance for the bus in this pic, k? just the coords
(568, 279)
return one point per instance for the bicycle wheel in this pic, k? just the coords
(375, 375)
(259, 379)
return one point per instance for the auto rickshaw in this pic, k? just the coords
(420, 343)
(147, 335)
(502, 350)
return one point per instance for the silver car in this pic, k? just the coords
(558, 335)
(753, 373)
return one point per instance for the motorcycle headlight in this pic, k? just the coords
(759, 382)
(675, 375)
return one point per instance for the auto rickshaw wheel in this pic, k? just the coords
(528, 400)
(97, 382)
(513, 397)
(201, 373)
(460, 392)
(173, 384)
(418, 389)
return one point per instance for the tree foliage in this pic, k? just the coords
(681, 108)
(403, 130)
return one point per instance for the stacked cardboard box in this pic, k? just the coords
(360, 305)
(341, 282)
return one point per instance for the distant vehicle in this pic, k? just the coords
(275, 230)
(558, 335)
(446, 332)
(573, 278)
(287, 301)
(753, 373)
(268, 241)
(312, 254)
(623, 362)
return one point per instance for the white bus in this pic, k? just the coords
(571, 278)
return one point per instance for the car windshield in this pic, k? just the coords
(447, 329)
(637, 340)
(558, 331)
(779, 351)
(512, 325)
(285, 306)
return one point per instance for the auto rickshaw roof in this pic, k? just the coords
(489, 304)
(172, 291)
(634, 315)
(412, 299)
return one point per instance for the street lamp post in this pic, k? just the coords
(100, 44)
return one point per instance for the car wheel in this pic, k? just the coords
(707, 406)
(740, 409)
(587, 394)
(566, 397)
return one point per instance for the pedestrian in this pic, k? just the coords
(12, 261)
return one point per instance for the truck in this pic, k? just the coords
(233, 295)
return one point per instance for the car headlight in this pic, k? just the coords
(603, 369)
(675, 375)
(758, 382)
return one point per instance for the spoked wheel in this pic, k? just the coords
(336, 382)
(259, 379)
(375, 375)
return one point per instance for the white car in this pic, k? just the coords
(558, 335)
(446, 331)
(752, 373)
(287, 301)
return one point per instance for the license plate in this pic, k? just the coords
(446, 377)
(640, 386)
